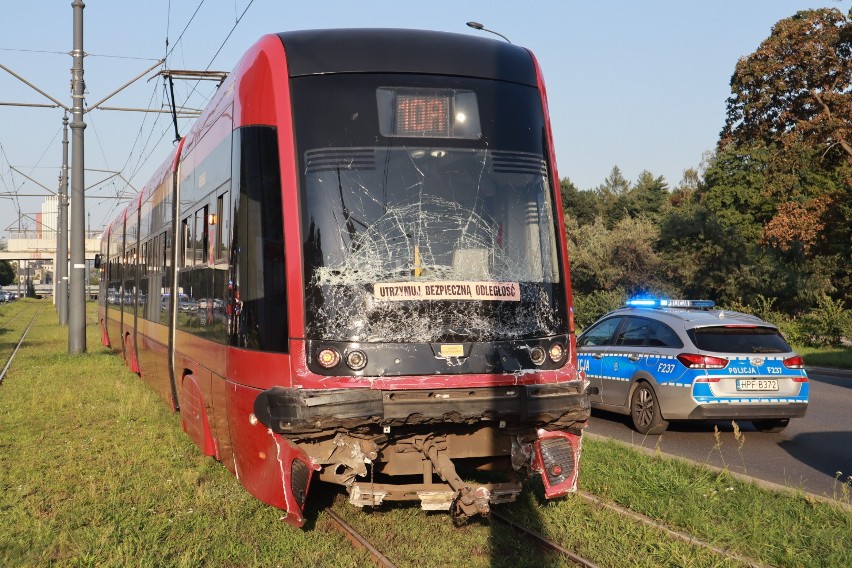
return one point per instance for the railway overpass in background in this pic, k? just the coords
(30, 245)
(34, 253)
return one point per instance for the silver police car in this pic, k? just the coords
(660, 360)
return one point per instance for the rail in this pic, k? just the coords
(18, 346)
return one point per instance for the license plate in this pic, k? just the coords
(757, 384)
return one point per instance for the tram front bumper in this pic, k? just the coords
(554, 406)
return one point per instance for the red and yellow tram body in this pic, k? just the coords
(354, 268)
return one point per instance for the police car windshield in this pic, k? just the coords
(738, 339)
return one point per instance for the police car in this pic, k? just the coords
(659, 360)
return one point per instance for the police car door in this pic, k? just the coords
(593, 345)
(624, 360)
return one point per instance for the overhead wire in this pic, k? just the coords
(177, 41)
(11, 50)
(142, 157)
(215, 55)
(16, 188)
(236, 23)
(144, 145)
(120, 194)
(16, 197)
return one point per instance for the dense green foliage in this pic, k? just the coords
(7, 274)
(768, 216)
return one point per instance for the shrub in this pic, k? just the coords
(589, 307)
(826, 325)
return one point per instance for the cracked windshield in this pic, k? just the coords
(434, 235)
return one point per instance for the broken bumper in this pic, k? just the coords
(554, 406)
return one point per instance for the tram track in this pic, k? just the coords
(674, 534)
(550, 546)
(20, 342)
(359, 541)
(11, 316)
(543, 542)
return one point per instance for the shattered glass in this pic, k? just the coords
(464, 216)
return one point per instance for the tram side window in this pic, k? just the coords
(201, 236)
(186, 236)
(144, 261)
(142, 268)
(114, 282)
(129, 300)
(163, 252)
(258, 297)
(222, 225)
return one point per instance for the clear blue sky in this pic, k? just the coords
(636, 84)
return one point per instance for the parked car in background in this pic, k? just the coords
(659, 360)
(187, 305)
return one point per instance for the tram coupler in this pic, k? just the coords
(468, 501)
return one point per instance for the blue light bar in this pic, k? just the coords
(665, 303)
(644, 303)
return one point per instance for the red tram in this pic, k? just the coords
(353, 269)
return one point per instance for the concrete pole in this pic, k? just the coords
(76, 299)
(62, 233)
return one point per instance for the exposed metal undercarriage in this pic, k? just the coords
(385, 446)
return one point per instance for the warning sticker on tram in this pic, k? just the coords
(401, 291)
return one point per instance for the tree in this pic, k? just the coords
(581, 205)
(612, 194)
(647, 197)
(621, 258)
(797, 86)
(765, 221)
(7, 274)
(781, 181)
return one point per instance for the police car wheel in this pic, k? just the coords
(645, 411)
(771, 426)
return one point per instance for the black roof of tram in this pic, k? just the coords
(316, 52)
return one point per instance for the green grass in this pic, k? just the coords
(95, 471)
(839, 357)
(779, 528)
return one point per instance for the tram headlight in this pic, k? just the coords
(556, 352)
(356, 360)
(328, 358)
(537, 355)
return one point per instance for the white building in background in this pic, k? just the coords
(47, 222)
(38, 245)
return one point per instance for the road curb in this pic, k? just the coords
(762, 483)
(832, 371)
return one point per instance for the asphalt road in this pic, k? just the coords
(807, 455)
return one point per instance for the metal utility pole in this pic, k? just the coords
(77, 301)
(62, 232)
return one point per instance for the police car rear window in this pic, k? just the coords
(738, 339)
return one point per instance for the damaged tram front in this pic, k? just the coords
(437, 362)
